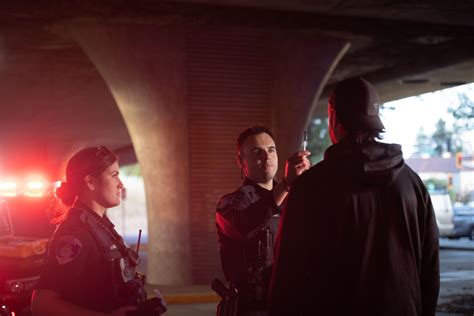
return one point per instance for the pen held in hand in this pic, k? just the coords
(305, 140)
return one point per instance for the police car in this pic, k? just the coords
(24, 234)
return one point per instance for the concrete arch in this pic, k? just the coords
(303, 64)
(140, 67)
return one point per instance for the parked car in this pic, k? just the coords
(444, 212)
(24, 234)
(463, 222)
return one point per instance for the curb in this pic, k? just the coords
(456, 248)
(184, 295)
(191, 298)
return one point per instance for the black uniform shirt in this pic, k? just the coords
(246, 221)
(76, 267)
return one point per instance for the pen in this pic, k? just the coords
(305, 140)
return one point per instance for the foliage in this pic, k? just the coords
(423, 143)
(442, 139)
(318, 139)
(464, 113)
(131, 170)
(440, 142)
(452, 194)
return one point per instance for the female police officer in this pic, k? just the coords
(89, 270)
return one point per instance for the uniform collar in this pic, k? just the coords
(105, 220)
(247, 181)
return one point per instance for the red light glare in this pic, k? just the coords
(33, 194)
(8, 194)
(35, 185)
(7, 185)
(8, 188)
(35, 188)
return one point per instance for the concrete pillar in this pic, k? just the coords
(303, 62)
(144, 67)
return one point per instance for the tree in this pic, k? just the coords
(464, 113)
(423, 143)
(131, 170)
(318, 139)
(442, 139)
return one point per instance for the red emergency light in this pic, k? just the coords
(8, 188)
(32, 187)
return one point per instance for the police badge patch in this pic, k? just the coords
(67, 249)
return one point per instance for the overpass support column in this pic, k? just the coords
(303, 63)
(144, 67)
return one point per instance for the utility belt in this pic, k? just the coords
(229, 304)
(235, 301)
(250, 290)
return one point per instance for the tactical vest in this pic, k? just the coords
(128, 285)
(259, 270)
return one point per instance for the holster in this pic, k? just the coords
(229, 304)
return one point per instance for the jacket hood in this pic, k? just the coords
(375, 163)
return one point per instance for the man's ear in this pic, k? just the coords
(239, 160)
(336, 129)
(90, 182)
(332, 116)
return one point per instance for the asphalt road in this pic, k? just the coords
(457, 282)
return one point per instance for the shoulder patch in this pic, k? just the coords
(67, 249)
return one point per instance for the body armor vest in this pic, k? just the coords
(127, 283)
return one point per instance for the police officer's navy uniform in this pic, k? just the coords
(89, 265)
(247, 222)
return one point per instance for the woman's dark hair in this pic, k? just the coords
(88, 161)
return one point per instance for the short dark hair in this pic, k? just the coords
(363, 136)
(254, 130)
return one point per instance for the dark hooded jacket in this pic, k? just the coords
(358, 237)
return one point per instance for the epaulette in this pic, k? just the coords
(238, 196)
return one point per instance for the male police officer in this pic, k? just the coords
(358, 235)
(247, 219)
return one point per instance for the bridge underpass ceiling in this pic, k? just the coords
(54, 101)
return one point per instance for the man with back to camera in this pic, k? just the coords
(247, 219)
(358, 235)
